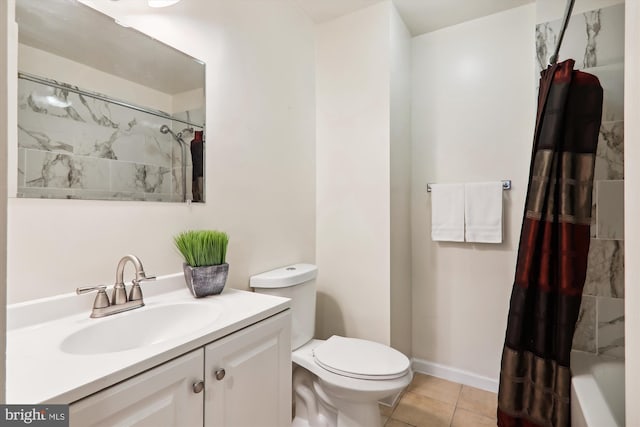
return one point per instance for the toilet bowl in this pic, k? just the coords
(339, 381)
(347, 394)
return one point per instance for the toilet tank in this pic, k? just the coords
(297, 282)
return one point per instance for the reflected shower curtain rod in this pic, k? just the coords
(565, 22)
(52, 83)
(506, 185)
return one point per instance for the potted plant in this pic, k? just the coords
(204, 252)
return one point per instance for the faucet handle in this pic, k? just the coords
(87, 289)
(136, 291)
(102, 300)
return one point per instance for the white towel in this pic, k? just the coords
(483, 212)
(447, 212)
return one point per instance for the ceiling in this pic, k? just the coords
(40, 20)
(420, 16)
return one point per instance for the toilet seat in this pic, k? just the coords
(360, 359)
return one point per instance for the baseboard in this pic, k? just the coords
(454, 374)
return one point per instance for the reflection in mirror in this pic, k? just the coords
(105, 112)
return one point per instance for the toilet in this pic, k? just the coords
(336, 382)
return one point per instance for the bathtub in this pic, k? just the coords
(597, 391)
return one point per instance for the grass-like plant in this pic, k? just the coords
(202, 248)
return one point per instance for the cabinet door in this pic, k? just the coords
(161, 397)
(248, 376)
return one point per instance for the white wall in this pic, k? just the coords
(400, 184)
(353, 191)
(473, 113)
(260, 161)
(632, 207)
(6, 16)
(48, 65)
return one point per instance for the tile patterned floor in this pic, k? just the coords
(434, 402)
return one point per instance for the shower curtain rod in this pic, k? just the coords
(52, 83)
(506, 185)
(565, 23)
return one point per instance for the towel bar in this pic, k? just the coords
(506, 185)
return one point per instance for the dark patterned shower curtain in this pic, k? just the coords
(552, 257)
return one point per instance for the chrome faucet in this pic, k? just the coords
(119, 295)
(119, 300)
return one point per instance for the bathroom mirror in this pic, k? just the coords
(104, 111)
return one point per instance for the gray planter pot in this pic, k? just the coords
(204, 281)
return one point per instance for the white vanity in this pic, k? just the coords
(177, 361)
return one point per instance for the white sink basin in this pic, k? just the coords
(139, 328)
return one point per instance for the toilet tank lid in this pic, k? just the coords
(291, 275)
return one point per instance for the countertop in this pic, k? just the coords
(38, 371)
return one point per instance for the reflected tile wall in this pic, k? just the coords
(59, 170)
(595, 40)
(140, 178)
(74, 146)
(188, 134)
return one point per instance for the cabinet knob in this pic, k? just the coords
(220, 373)
(198, 387)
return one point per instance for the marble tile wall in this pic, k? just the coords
(595, 40)
(75, 146)
(187, 133)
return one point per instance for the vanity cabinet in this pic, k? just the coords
(247, 383)
(248, 377)
(162, 396)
